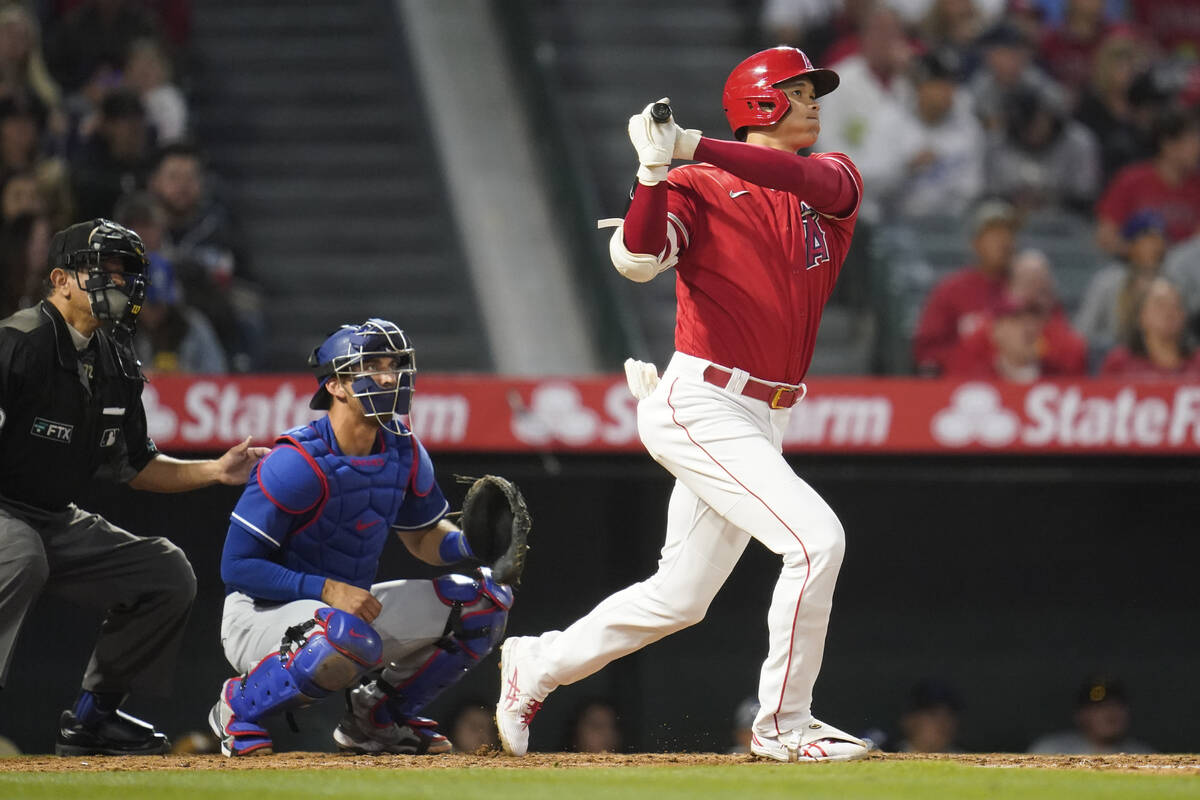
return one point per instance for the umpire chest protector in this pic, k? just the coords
(343, 534)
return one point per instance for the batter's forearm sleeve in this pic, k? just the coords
(646, 220)
(824, 184)
(246, 566)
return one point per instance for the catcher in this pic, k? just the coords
(303, 617)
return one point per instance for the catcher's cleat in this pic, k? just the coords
(369, 727)
(814, 742)
(115, 734)
(516, 707)
(238, 738)
(412, 737)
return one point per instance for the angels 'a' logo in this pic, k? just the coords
(815, 246)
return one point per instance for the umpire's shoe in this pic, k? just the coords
(114, 734)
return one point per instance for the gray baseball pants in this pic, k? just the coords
(143, 586)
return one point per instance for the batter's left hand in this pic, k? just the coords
(233, 468)
(654, 143)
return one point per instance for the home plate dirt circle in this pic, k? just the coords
(1170, 764)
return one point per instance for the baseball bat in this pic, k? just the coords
(660, 112)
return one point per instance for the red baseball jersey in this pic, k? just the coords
(755, 269)
(1139, 186)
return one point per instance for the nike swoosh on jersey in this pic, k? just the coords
(735, 195)
(362, 525)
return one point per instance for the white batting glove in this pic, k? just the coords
(686, 141)
(655, 144)
(641, 376)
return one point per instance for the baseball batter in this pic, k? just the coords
(757, 235)
(301, 555)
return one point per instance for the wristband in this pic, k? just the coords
(454, 548)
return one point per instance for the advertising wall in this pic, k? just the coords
(598, 415)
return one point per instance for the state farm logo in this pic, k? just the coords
(1072, 416)
(556, 413)
(161, 422)
(975, 414)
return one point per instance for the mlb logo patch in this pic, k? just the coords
(54, 431)
(109, 437)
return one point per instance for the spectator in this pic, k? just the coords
(811, 25)
(593, 728)
(113, 161)
(1107, 105)
(148, 72)
(1063, 351)
(472, 729)
(171, 336)
(202, 243)
(1042, 159)
(21, 126)
(95, 38)
(1158, 347)
(942, 145)
(1028, 18)
(1001, 349)
(743, 725)
(23, 72)
(959, 303)
(953, 26)
(930, 723)
(24, 246)
(1067, 50)
(1174, 24)
(1006, 69)
(1182, 267)
(1168, 184)
(869, 104)
(1106, 315)
(1102, 716)
(1004, 348)
(20, 195)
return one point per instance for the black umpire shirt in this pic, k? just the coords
(65, 416)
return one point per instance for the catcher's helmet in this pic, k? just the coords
(753, 83)
(344, 354)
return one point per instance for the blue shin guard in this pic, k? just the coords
(333, 656)
(478, 614)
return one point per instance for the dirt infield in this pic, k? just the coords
(1171, 764)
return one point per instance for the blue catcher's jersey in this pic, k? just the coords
(328, 514)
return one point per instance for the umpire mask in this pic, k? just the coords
(115, 261)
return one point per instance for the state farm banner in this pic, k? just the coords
(597, 414)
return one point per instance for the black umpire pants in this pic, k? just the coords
(143, 586)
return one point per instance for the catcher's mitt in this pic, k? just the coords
(496, 523)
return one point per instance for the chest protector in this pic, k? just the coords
(343, 536)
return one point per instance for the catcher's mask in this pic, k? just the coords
(380, 362)
(114, 259)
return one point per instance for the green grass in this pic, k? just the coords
(874, 780)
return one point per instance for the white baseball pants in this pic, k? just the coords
(732, 483)
(413, 619)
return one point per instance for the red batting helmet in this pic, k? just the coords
(753, 83)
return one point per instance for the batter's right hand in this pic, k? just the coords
(654, 142)
(350, 599)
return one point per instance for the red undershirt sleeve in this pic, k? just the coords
(646, 220)
(826, 185)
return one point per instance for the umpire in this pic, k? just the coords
(71, 410)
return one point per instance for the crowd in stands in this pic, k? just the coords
(1001, 111)
(95, 123)
(992, 111)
